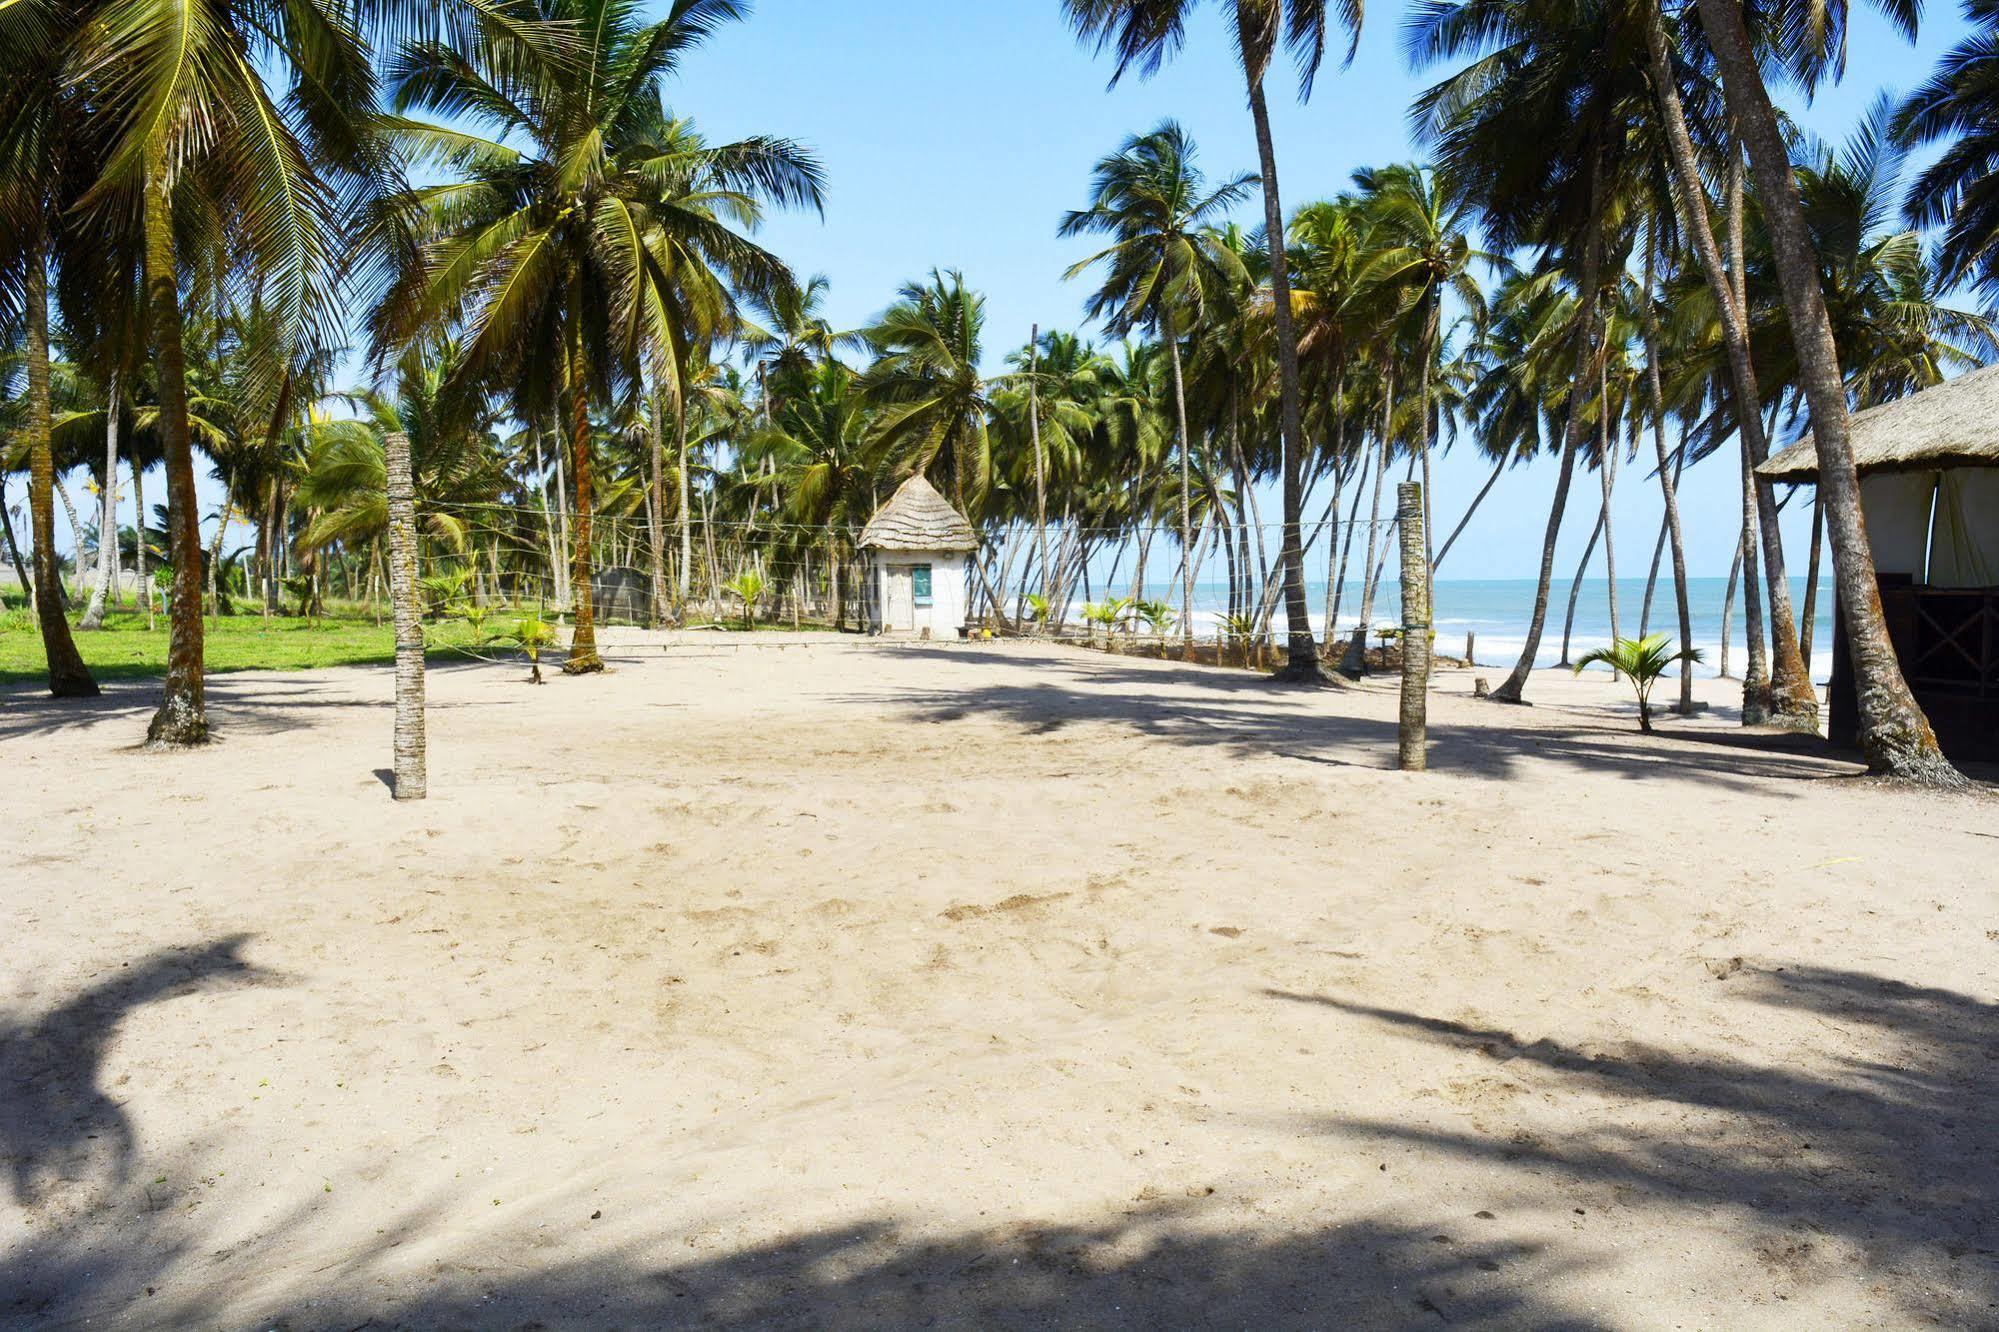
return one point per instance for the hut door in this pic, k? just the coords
(901, 601)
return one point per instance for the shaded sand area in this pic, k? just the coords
(837, 984)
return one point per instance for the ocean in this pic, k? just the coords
(1497, 610)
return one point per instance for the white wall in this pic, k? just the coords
(946, 611)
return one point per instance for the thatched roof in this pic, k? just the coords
(1952, 424)
(916, 517)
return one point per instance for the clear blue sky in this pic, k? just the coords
(955, 134)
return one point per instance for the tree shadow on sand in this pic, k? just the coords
(1155, 1266)
(1896, 1154)
(57, 1121)
(1243, 715)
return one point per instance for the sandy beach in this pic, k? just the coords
(825, 983)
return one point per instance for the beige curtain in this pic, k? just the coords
(1964, 540)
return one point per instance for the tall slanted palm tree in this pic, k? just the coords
(586, 236)
(1895, 736)
(1541, 127)
(1144, 34)
(1162, 268)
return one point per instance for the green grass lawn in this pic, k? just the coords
(124, 650)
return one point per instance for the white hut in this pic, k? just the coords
(916, 546)
(1929, 486)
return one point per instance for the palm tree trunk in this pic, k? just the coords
(583, 658)
(410, 780)
(182, 718)
(1756, 676)
(145, 582)
(1895, 736)
(1790, 699)
(1728, 605)
(656, 510)
(1808, 622)
(1608, 469)
(215, 551)
(107, 522)
(1589, 313)
(1333, 557)
(686, 570)
(1303, 648)
(563, 590)
(75, 535)
(13, 549)
(1668, 481)
(1576, 587)
(1356, 658)
(68, 676)
(1186, 500)
(1477, 500)
(1652, 579)
(1040, 462)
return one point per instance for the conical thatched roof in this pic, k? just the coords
(916, 517)
(1952, 424)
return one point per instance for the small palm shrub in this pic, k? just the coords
(532, 634)
(748, 588)
(1642, 661)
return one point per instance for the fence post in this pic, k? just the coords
(410, 782)
(1414, 729)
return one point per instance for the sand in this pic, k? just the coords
(827, 983)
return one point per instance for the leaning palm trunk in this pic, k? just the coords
(68, 676)
(1668, 479)
(1576, 587)
(1609, 478)
(583, 658)
(182, 718)
(1497, 467)
(1894, 734)
(410, 779)
(1186, 503)
(215, 551)
(1808, 621)
(1756, 675)
(1589, 314)
(1790, 699)
(1303, 650)
(107, 522)
(75, 533)
(21, 574)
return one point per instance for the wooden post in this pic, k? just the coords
(409, 772)
(1414, 730)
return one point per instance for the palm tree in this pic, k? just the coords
(1144, 33)
(1427, 217)
(1541, 127)
(933, 402)
(1895, 736)
(1164, 269)
(39, 157)
(823, 463)
(1959, 106)
(186, 121)
(1791, 699)
(586, 232)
